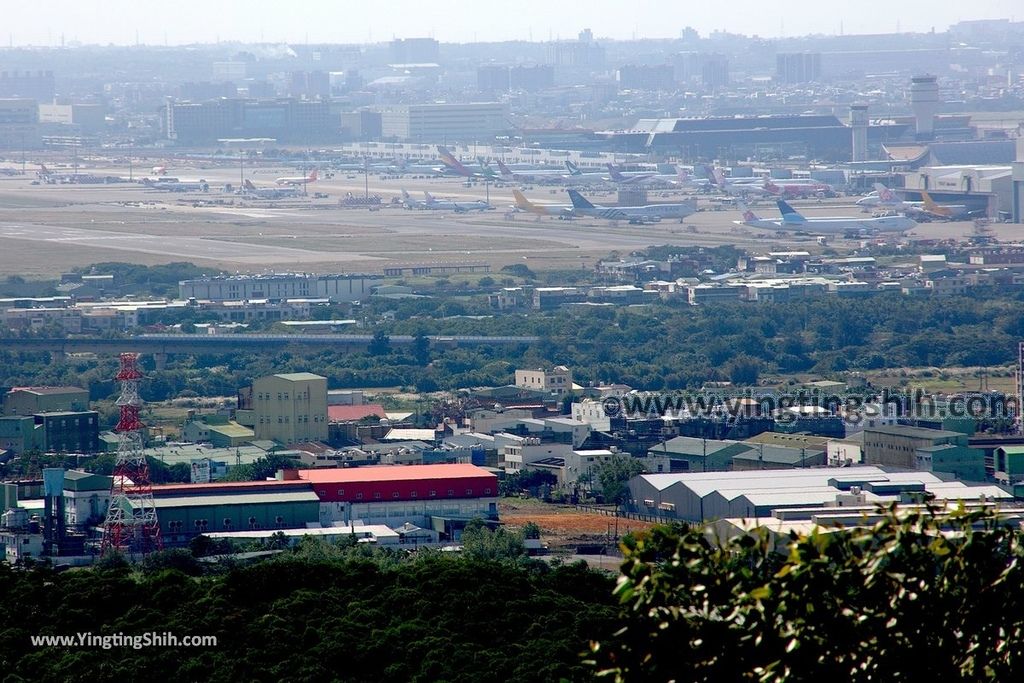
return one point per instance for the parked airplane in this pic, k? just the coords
(298, 180)
(453, 166)
(450, 205)
(794, 220)
(947, 211)
(740, 187)
(175, 185)
(752, 220)
(530, 176)
(634, 214)
(411, 203)
(627, 178)
(159, 170)
(883, 197)
(563, 211)
(250, 189)
(685, 179)
(576, 173)
(788, 189)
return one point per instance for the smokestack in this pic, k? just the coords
(859, 132)
(924, 101)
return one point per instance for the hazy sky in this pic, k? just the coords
(344, 21)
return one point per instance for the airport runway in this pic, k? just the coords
(179, 247)
(48, 228)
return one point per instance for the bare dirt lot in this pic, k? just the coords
(564, 525)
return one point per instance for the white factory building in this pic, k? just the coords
(706, 496)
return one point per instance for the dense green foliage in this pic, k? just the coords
(915, 597)
(612, 477)
(662, 346)
(319, 613)
(161, 280)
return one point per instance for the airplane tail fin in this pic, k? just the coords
(789, 213)
(884, 193)
(573, 168)
(748, 215)
(503, 168)
(313, 175)
(929, 203)
(429, 197)
(579, 201)
(247, 184)
(773, 188)
(614, 172)
(521, 201)
(719, 176)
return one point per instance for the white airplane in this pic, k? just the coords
(530, 176)
(250, 190)
(411, 203)
(576, 173)
(176, 185)
(298, 180)
(634, 214)
(432, 204)
(883, 197)
(742, 187)
(685, 179)
(627, 178)
(794, 220)
(752, 220)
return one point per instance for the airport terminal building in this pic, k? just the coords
(815, 136)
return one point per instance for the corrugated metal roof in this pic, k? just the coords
(358, 412)
(392, 473)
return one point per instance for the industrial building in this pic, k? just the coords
(51, 432)
(557, 380)
(445, 122)
(32, 400)
(440, 497)
(899, 445)
(700, 496)
(186, 510)
(290, 408)
(337, 287)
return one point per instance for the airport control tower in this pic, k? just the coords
(859, 132)
(924, 100)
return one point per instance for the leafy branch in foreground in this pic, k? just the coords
(917, 595)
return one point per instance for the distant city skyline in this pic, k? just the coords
(127, 22)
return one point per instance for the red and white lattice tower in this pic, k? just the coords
(131, 526)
